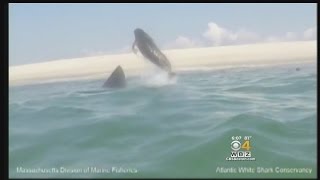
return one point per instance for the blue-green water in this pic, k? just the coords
(179, 129)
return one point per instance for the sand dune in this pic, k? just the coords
(181, 59)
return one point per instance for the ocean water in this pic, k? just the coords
(156, 128)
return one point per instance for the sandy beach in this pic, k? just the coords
(181, 59)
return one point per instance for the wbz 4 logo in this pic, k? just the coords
(237, 146)
(240, 154)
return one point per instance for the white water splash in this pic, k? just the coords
(156, 78)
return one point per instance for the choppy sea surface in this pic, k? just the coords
(156, 128)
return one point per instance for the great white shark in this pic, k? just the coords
(117, 79)
(145, 44)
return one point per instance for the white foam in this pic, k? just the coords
(154, 77)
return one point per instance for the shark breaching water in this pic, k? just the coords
(150, 51)
(145, 44)
(117, 79)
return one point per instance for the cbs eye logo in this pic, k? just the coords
(236, 145)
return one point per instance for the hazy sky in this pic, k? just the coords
(43, 32)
